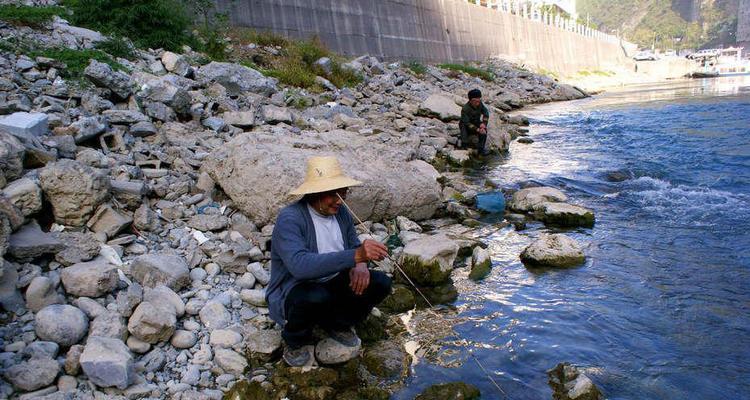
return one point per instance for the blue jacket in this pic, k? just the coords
(294, 254)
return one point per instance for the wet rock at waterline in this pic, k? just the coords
(556, 250)
(569, 383)
(565, 215)
(481, 264)
(429, 260)
(531, 199)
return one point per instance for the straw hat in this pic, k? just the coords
(324, 174)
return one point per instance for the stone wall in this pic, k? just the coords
(432, 31)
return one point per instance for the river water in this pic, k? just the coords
(661, 309)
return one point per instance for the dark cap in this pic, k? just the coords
(474, 93)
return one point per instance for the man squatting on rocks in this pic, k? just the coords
(474, 118)
(319, 273)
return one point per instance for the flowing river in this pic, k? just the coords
(661, 309)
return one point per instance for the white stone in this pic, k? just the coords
(429, 260)
(246, 281)
(531, 199)
(215, 316)
(441, 106)
(90, 279)
(256, 297)
(556, 250)
(26, 125)
(224, 338)
(175, 63)
(24, 194)
(107, 362)
(183, 339)
(62, 324)
(230, 361)
(152, 323)
(405, 224)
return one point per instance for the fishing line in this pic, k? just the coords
(401, 270)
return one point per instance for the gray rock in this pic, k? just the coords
(110, 326)
(33, 374)
(146, 219)
(161, 269)
(73, 360)
(224, 338)
(25, 194)
(41, 293)
(30, 242)
(531, 199)
(246, 281)
(128, 299)
(154, 360)
(26, 125)
(143, 129)
(137, 345)
(259, 186)
(230, 361)
(556, 250)
(256, 297)
(88, 128)
(565, 215)
(183, 339)
(152, 323)
(236, 78)
(329, 351)
(101, 74)
(440, 106)
(262, 346)
(240, 119)
(90, 279)
(164, 296)
(215, 316)
(125, 117)
(164, 91)
(325, 64)
(90, 307)
(108, 362)
(79, 247)
(108, 221)
(274, 114)
(129, 193)
(405, 224)
(569, 383)
(41, 350)
(429, 260)
(208, 222)
(74, 190)
(175, 63)
(62, 324)
(214, 123)
(12, 153)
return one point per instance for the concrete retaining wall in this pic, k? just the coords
(429, 31)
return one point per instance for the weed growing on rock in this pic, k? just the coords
(417, 68)
(473, 71)
(34, 17)
(117, 46)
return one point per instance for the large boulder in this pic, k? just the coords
(555, 250)
(90, 279)
(531, 199)
(63, 324)
(249, 170)
(440, 106)
(429, 260)
(237, 79)
(107, 362)
(151, 270)
(565, 215)
(75, 190)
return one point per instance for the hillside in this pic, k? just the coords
(659, 22)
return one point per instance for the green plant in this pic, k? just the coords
(76, 61)
(262, 38)
(212, 29)
(484, 74)
(149, 23)
(117, 46)
(416, 68)
(30, 16)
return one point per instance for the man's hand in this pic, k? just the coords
(370, 250)
(359, 278)
(483, 129)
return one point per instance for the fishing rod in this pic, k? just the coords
(401, 270)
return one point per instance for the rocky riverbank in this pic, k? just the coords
(138, 204)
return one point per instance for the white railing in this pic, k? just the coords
(525, 9)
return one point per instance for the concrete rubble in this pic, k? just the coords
(135, 220)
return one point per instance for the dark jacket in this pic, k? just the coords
(294, 254)
(472, 117)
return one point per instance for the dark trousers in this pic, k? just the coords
(466, 140)
(331, 305)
